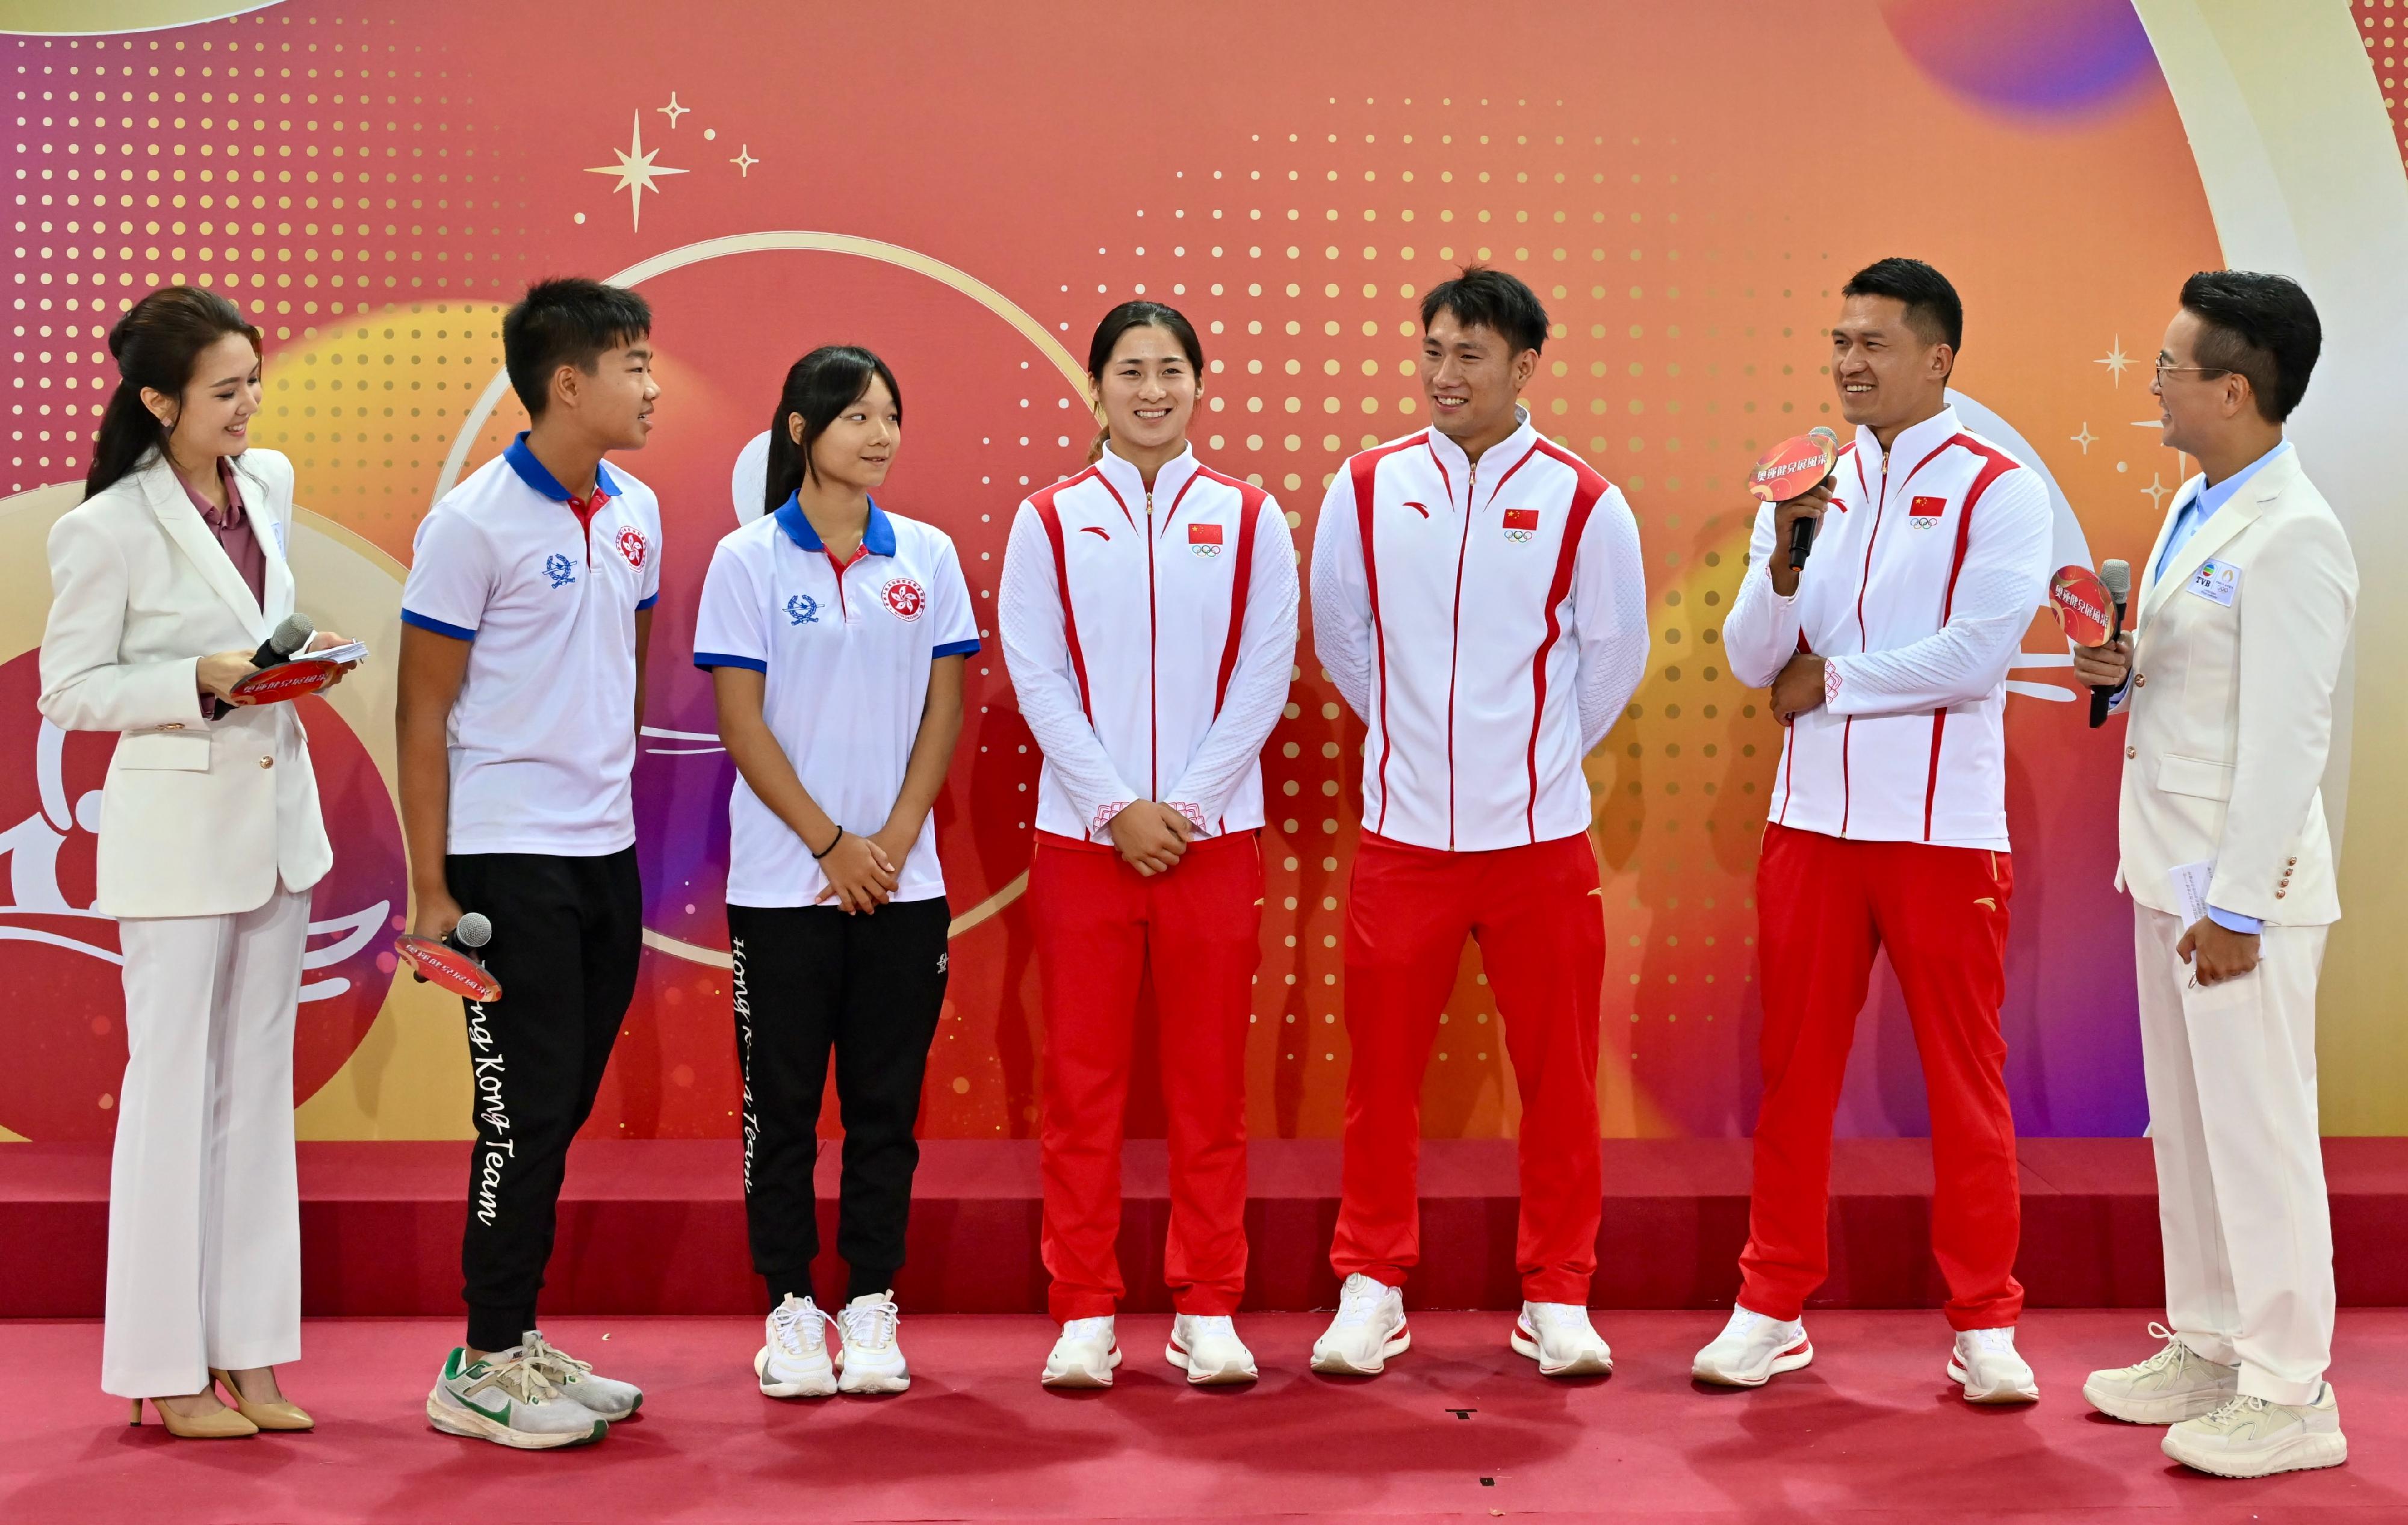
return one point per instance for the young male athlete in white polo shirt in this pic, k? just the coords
(1888, 657)
(1478, 599)
(524, 619)
(835, 634)
(1149, 616)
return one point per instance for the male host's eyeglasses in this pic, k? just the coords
(2166, 369)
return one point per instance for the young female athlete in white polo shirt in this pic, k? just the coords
(834, 633)
(1149, 620)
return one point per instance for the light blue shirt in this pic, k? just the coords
(2196, 510)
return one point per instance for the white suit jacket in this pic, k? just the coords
(2237, 648)
(198, 817)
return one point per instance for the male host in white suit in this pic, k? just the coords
(165, 580)
(2244, 607)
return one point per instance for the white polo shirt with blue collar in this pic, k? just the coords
(845, 650)
(542, 735)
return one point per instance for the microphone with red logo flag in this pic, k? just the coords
(451, 963)
(1792, 469)
(2116, 578)
(2090, 615)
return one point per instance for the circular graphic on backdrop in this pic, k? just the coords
(61, 967)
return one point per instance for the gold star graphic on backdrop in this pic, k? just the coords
(673, 110)
(2116, 361)
(636, 173)
(2085, 439)
(2156, 492)
(744, 161)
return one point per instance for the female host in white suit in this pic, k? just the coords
(165, 580)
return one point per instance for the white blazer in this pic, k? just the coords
(2232, 704)
(198, 817)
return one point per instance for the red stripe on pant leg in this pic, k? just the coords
(1406, 918)
(1545, 959)
(1816, 944)
(1943, 916)
(1090, 953)
(1204, 941)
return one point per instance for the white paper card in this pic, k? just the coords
(2190, 882)
(348, 651)
(2216, 582)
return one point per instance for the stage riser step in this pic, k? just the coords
(659, 1227)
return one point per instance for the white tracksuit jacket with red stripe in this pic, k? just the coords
(1925, 574)
(1151, 638)
(1488, 624)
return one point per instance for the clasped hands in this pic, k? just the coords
(1150, 836)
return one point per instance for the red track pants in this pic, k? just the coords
(1542, 930)
(1824, 908)
(1099, 923)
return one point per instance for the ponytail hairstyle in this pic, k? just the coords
(822, 385)
(155, 345)
(1120, 320)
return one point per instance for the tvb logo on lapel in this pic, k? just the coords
(1923, 513)
(1521, 524)
(1204, 541)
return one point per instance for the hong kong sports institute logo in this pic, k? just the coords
(905, 598)
(560, 569)
(803, 610)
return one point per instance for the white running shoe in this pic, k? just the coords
(1206, 1347)
(1369, 1328)
(1560, 1338)
(1753, 1350)
(794, 1359)
(507, 1399)
(2249, 1437)
(611, 1398)
(1083, 1355)
(2175, 1384)
(1986, 1362)
(871, 1360)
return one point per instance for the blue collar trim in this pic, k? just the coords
(533, 472)
(878, 538)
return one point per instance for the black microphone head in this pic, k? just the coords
(474, 931)
(2116, 578)
(292, 634)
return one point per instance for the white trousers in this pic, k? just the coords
(204, 1211)
(2232, 1074)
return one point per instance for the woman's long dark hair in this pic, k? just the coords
(822, 385)
(156, 345)
(1120, 320)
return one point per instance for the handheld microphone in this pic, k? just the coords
(290, 635)
(2116, 578)
(451, 961)
(1791, 469)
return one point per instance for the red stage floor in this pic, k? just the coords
(1459, 1428)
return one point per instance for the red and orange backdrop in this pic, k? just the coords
(965, 189)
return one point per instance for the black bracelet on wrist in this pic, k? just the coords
(831, 847)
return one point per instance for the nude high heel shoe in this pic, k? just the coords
(280, 1415)
(225, 1424)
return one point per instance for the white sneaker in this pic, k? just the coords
(2249, 1437)
(2175, 1384)
(1753, 1350)
(872, 1358)
(507, 1399)
(1206, 1347)
(1560, 1338)
(794, 1359)
(611, 1398)
(1986, 1362)
(1083, 1355)
(1369, 1328)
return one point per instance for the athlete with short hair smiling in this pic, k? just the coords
(1478, 601)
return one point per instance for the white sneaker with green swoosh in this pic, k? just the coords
(508, 1398)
